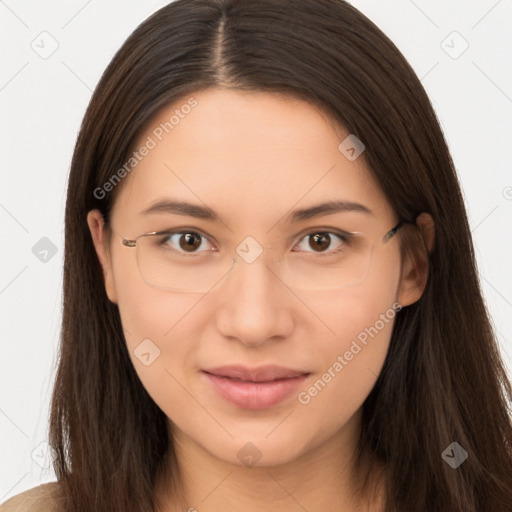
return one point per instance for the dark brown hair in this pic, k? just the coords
(443, 379)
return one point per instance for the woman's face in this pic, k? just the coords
(253, 159)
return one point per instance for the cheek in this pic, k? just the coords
(353, 333)
(356, 330)
(346, 314)
(147, 312)
(348, 366)
(161, 332)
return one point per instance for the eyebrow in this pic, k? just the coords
(170, 206)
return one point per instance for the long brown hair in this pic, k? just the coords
(443, 380)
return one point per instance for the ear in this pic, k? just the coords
(415, 265)
(101, 244)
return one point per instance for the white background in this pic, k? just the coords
(43, 102)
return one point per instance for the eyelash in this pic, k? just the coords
(345, 239)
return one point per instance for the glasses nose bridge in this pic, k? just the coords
(261, 257)
(251, 249)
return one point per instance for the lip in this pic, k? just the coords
(256, 388)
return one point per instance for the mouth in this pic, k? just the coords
(255, 389)
(260, 374)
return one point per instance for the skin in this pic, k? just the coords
(253, 157)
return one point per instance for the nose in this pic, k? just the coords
(255, 306)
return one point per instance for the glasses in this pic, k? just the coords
(170, 260)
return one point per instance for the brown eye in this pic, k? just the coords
(190, 241)
(323, 243)
(319, 241)
(184, 242)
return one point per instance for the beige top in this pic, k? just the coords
(38, 499)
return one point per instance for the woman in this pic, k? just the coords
(270, 293)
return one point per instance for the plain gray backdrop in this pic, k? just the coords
(53, 54)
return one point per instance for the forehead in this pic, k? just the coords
(246, 155)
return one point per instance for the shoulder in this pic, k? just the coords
(43, 498)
